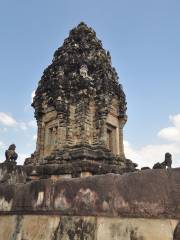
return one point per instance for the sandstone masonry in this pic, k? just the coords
(81, 110)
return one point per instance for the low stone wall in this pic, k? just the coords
(12, 173)
(146, 194)
(144, 205)
(24, 227)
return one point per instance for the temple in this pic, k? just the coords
(80, 109)
(78, 183)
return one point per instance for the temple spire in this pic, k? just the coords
(80, 108)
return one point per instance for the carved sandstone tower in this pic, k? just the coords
(81, 110)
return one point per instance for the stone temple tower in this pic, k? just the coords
(80, 110)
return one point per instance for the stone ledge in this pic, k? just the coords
(149, 193)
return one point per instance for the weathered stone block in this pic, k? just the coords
(135, 229)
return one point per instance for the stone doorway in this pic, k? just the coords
(111, 138)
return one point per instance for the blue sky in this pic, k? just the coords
(144, 40)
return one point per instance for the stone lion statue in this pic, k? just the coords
(166, 164)
(10, 154)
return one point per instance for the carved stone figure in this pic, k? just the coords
(159, 165)
(167, 162)
(10, 154)
(83, 71)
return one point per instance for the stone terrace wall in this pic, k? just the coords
(12, 173)
(137, 206)
(38, 227)
(149, 193)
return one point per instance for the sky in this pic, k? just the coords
(143, 38)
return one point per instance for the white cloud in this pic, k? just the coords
(131, 152)
(21, 158)
(25, 126)
(35, 137)
(22, 126)
(171, 133)
(175, 120)
(28, 106)
(32, 95)
(2, 148)
(32, 123)
(149, 154)
(7, 120)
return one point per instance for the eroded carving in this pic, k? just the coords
(165, 164)
(10, 154)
